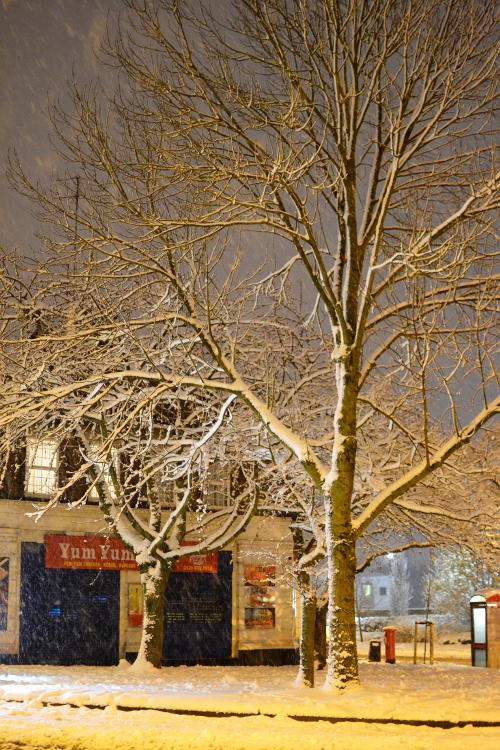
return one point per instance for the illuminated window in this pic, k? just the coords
(216, 490)
(366, 588)
(41, 473)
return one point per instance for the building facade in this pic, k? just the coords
(70, 592)
(60, 604)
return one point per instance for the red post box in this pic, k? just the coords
(390, 645)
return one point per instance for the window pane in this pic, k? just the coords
(104, 475)
(217, 495)
(479, 657)
(41, 478)
(216, 486)
(479, 624)
(45, 454)
(41, 481)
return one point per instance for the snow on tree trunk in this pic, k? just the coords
(340, 538)
(342, 651)
(154, 579)
(305, 676)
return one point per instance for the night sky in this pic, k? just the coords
(41, 42)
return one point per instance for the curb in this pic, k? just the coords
(433, 723)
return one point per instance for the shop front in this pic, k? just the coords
(74, 596)
(70, 603)
(68, 615)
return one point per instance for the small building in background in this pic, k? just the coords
(373, 588)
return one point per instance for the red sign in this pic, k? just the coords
(198, 563)
(87, 552)
(108, 553)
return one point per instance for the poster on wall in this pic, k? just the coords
(4, 591)
(135, 605)
(260, 596)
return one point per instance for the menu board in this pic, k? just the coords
(260, 596)
(198, 614)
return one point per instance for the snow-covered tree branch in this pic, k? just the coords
(296, 208)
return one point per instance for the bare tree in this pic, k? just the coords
(400, 591)
(152, 483)
(454, 579)
(145, 456)
(163, 469)
(344, 150)
(428, 520)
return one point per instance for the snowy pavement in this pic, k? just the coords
(50, 707)
(59, 728)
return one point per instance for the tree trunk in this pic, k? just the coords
(12, 486)
(340, 540)
(320, 635)
(342, 651)
(154, 579)
(305, 676)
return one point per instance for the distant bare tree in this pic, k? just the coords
(331, 164)
(400, 587)
(455, 577)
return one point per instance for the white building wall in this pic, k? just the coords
(265, 542)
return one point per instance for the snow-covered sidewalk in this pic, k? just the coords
(247, 708)
(449, 694)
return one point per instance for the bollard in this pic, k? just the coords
(390, 645)
(374, 651)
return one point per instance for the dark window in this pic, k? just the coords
(382, 591)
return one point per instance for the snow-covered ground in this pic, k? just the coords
(264, 699)
(451, 651)
(86, 729)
